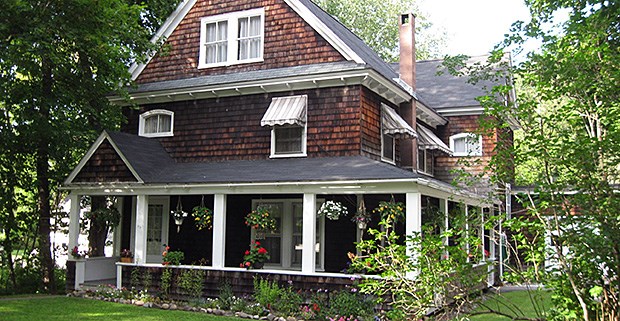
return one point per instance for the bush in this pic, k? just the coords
(352, 303)
(283, 301)
(191, 282)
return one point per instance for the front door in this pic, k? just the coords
(157, 228)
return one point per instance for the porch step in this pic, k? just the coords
(95, 284)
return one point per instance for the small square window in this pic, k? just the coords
(288, 140)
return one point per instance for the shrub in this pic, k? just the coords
(191, 282)
(227, 297)
(352, 303)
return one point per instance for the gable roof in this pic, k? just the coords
(341, 38)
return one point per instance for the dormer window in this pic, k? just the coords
(392, 126)
(232, 38)
(288, 121)
(466, 144)
(156, 123)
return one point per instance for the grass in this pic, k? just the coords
(68, 308)
(516, 303)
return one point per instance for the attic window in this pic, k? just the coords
(156, 123)
(232, 38)
(466, 144)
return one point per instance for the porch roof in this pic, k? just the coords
(153, 164)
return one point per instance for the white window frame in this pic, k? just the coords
(469, 137)
(383, 158)
(304, 137)
(286, 237)
(232, 37)
(155, 112)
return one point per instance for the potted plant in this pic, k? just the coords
(203, 216)
(171, 257)
(126, 256)
(361, 218)
(260, 219)
(76, 253)
(332, 210)
(179, 215)
(255, 257)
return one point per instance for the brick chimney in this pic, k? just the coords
(408, 147)
(406, 28)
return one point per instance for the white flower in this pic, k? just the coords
(332, 210)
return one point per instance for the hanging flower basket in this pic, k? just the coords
(203, 216)
(260, 219)
(332, 210)
(179, 215)
(361, 218)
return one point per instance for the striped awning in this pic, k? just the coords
(395, 125)
(290, 110)
(428, 140)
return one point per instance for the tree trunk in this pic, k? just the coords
(98, 231)
(43, 184)
(8, 241)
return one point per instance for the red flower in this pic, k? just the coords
(257, 243)
(247, 252)
(240, 264)
(315, 307)
(262, 251)
(247, 263)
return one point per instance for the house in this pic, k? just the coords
(271, 103)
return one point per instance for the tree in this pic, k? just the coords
(59, 60)
(569, 111)
(376, 23)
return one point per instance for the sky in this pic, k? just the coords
(473, 27)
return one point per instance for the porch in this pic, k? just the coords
(307, 250)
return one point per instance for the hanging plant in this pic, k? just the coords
(260, 219)
(332, 210)
(179, 215)
(361, 217)
(203, 216)
(391, 211)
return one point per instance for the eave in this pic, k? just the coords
(366, 77)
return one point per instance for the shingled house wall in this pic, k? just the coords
(342, 121)
(444, 165)
(287, 38)
(105, 166)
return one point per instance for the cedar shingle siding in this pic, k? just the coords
(229, 128)
(105, 165)
(287, 38)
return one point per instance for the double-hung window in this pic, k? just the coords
(232, 38)
(156, 123)
(466, 144)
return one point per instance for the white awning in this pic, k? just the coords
(286, 110)
(428, 140)
(395, 125)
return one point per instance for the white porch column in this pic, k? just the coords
(219, 231)
(443, 208)
(142, 217)
(482, 240)
(308, 254)
(74, 222)
(413, 222)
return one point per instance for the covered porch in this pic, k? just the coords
(308, 250)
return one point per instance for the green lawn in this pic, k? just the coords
(67, 308)
(517, 303)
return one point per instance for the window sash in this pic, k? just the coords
(216, 42)
(288, 140)
(387, 147)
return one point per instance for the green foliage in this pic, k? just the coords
(281, 300)
(191, 281)
(167, 277)
(421, 272)
(226, 297)
(569, 108)
(351, 303)
(172, 257)
(376, 22)
(134, 280)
